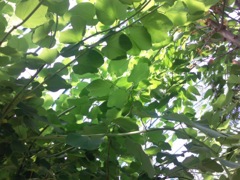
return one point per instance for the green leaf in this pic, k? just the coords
(118, 98)
(234, 79)
(84, 11)
(56, 83)
(9, 51)
(57, 6)
(229, 163)
(84, 142)
(193, 90)
(20, 44)
(70, 36)
(191, 162)
(182, 118)
(178, 117)
(236, 174)
(126, 123)
(89, 62)
(158, 26)
(207, 130)
(3, 24)
(140, 37)
(195, 7)
(99, 88)
(192, 132)
(199, 6)
(48, 55)
(41, 32)
(4, 60)
(129, 1)
(125, 42)
(139, 73)
(6, 9)
(115, 49)
(95, 129)
(118, 67)
(208, 93)
(18, 146)
(137, 151)
(151, 151)
(109, 10)
(156, 136)
(220, 102)
(210, 165)
(38, 17)
(70, 50)
(177, 13)
(190, 96)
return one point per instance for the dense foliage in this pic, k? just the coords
(106, 89)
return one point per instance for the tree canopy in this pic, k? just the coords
(106, 89)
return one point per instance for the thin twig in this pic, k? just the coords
(54, 33)
(18, 25)
(114, 27)
(224, 32)
(16, 99)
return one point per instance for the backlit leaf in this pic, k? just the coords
(140, 37)
(118, 67)
(139, 73)
(38, 17)
(115, 49)
(110, 10)
(99, 88)
(48, 55)
(82, 11)
(158, 26)
(177, 13)
(118, 98)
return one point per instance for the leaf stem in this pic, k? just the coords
(109, 134)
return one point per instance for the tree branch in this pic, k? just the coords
(18, 25)
(224, 32)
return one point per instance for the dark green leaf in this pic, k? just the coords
(56, 83)
(110, 10)
(84, 142)
(137, 151)
(118, 98)
(125, 42)
(59, 7)
(210, 165)
(140, 37)
(139, 73)
(118, 67)
(126, 123)
(158, 26)
(115, 49)
(89, 62)
(99, 88)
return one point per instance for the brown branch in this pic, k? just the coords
(229, 36)
(21, 23)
